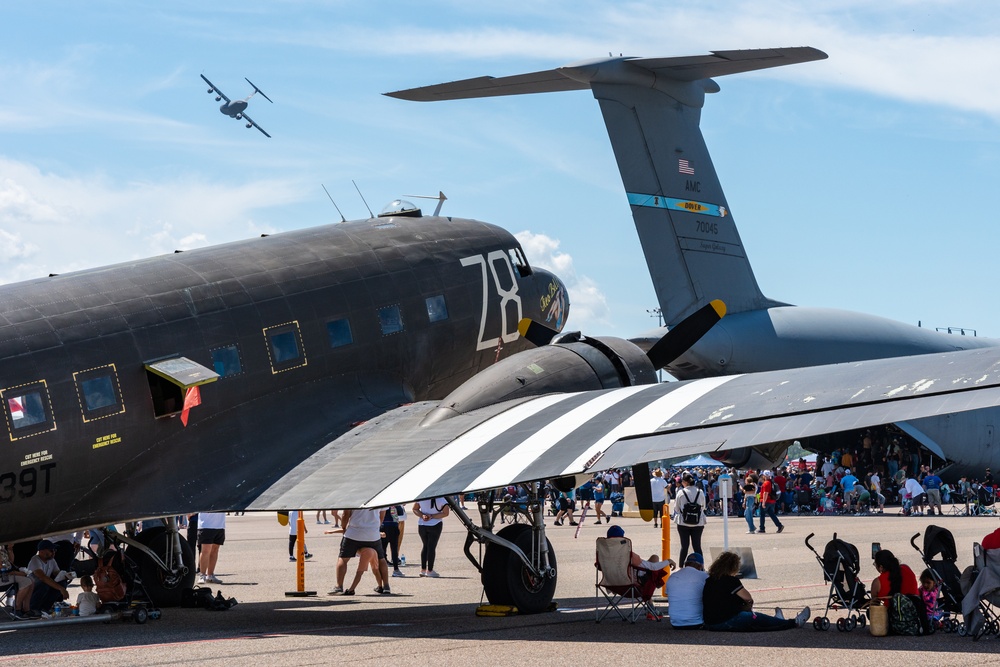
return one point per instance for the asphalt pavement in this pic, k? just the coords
(432, 621)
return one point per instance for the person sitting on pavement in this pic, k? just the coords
(43, 571)
(728, 606)
(87, 602)
(685, 588)
(894, 577)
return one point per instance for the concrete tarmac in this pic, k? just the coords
(433, 621)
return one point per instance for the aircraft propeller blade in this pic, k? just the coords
(689, 331)
(536, 333)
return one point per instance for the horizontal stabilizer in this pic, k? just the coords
(580, 76)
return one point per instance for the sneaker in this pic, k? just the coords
(607, 519)
(781, 528)
(573, 523)
(21, 616)
(202, 579)
(349, 591)
(761, 532)
(557, 523)
(778, 613)
(212, 579)
(423, 573)
(751, 532)
(802, 617)
(383, 590)
(432, 574)
(397, 573)
(598, 522)
(337, 590)
(308, 556)
(291, 559)
(378, 589)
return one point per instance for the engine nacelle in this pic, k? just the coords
(761, 457)
(576, 363)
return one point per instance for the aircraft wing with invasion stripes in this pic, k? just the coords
(394, 458)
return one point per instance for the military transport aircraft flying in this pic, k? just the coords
(237, 108)
(387, 360)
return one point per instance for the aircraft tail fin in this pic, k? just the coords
(652, 110)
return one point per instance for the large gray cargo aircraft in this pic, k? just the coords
(381, 361)
(652, 111)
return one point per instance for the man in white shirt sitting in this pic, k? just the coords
(684, 591)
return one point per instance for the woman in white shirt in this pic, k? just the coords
(429, 515)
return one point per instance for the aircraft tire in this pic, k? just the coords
(160, 593)
(505, 579)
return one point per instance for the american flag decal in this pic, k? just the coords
(685, 167)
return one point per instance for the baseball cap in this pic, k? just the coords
(45, 544)
(616, 531)
(694, 557)
(847, 472)
(768, 473)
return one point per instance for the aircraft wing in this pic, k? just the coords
(393, 459)
(579, 76)
(250, 121)
(215, 88)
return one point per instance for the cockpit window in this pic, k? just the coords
(519, 261)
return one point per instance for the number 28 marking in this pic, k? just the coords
(506, 296)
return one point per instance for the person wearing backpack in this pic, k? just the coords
(768, 499)
(896, 586)
(689, 514)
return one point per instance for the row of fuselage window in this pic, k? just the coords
(29, 410)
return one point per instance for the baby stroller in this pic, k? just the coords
(981, 585)
(841, 564)
(617, 504)
(804, 502)
(939, 542)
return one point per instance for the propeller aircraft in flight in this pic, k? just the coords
(237, 108)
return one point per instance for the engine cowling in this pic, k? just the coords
(572, 363)
(753, 458)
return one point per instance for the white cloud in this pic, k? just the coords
(54, 224)
(588, 310)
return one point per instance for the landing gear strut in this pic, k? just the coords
(519, 566)
(165, 561)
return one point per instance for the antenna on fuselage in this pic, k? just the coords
(371, 215)
(441, 199)
(342, 218)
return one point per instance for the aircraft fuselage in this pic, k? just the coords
(311, 331)
(235, 108)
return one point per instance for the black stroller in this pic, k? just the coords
(939, 555)
(841, 564)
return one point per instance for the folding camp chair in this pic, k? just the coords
(626, 590)
(8, 592)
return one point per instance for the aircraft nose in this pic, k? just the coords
(553, 301)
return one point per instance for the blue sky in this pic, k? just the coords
(861, 182)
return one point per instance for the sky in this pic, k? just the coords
(859, 182)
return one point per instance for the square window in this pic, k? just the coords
(284, 347)
(339, 332)
(98, 392)
(226, 361)
(26, 409)
(390, 320)
(437, 309)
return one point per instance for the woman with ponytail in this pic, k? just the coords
(894, 577)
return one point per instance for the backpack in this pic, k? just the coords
(107, 581)
(690, 511)
(903, 616)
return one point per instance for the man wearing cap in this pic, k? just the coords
(43, 569)
(636, 560)
(684, 592)
(767, 501)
